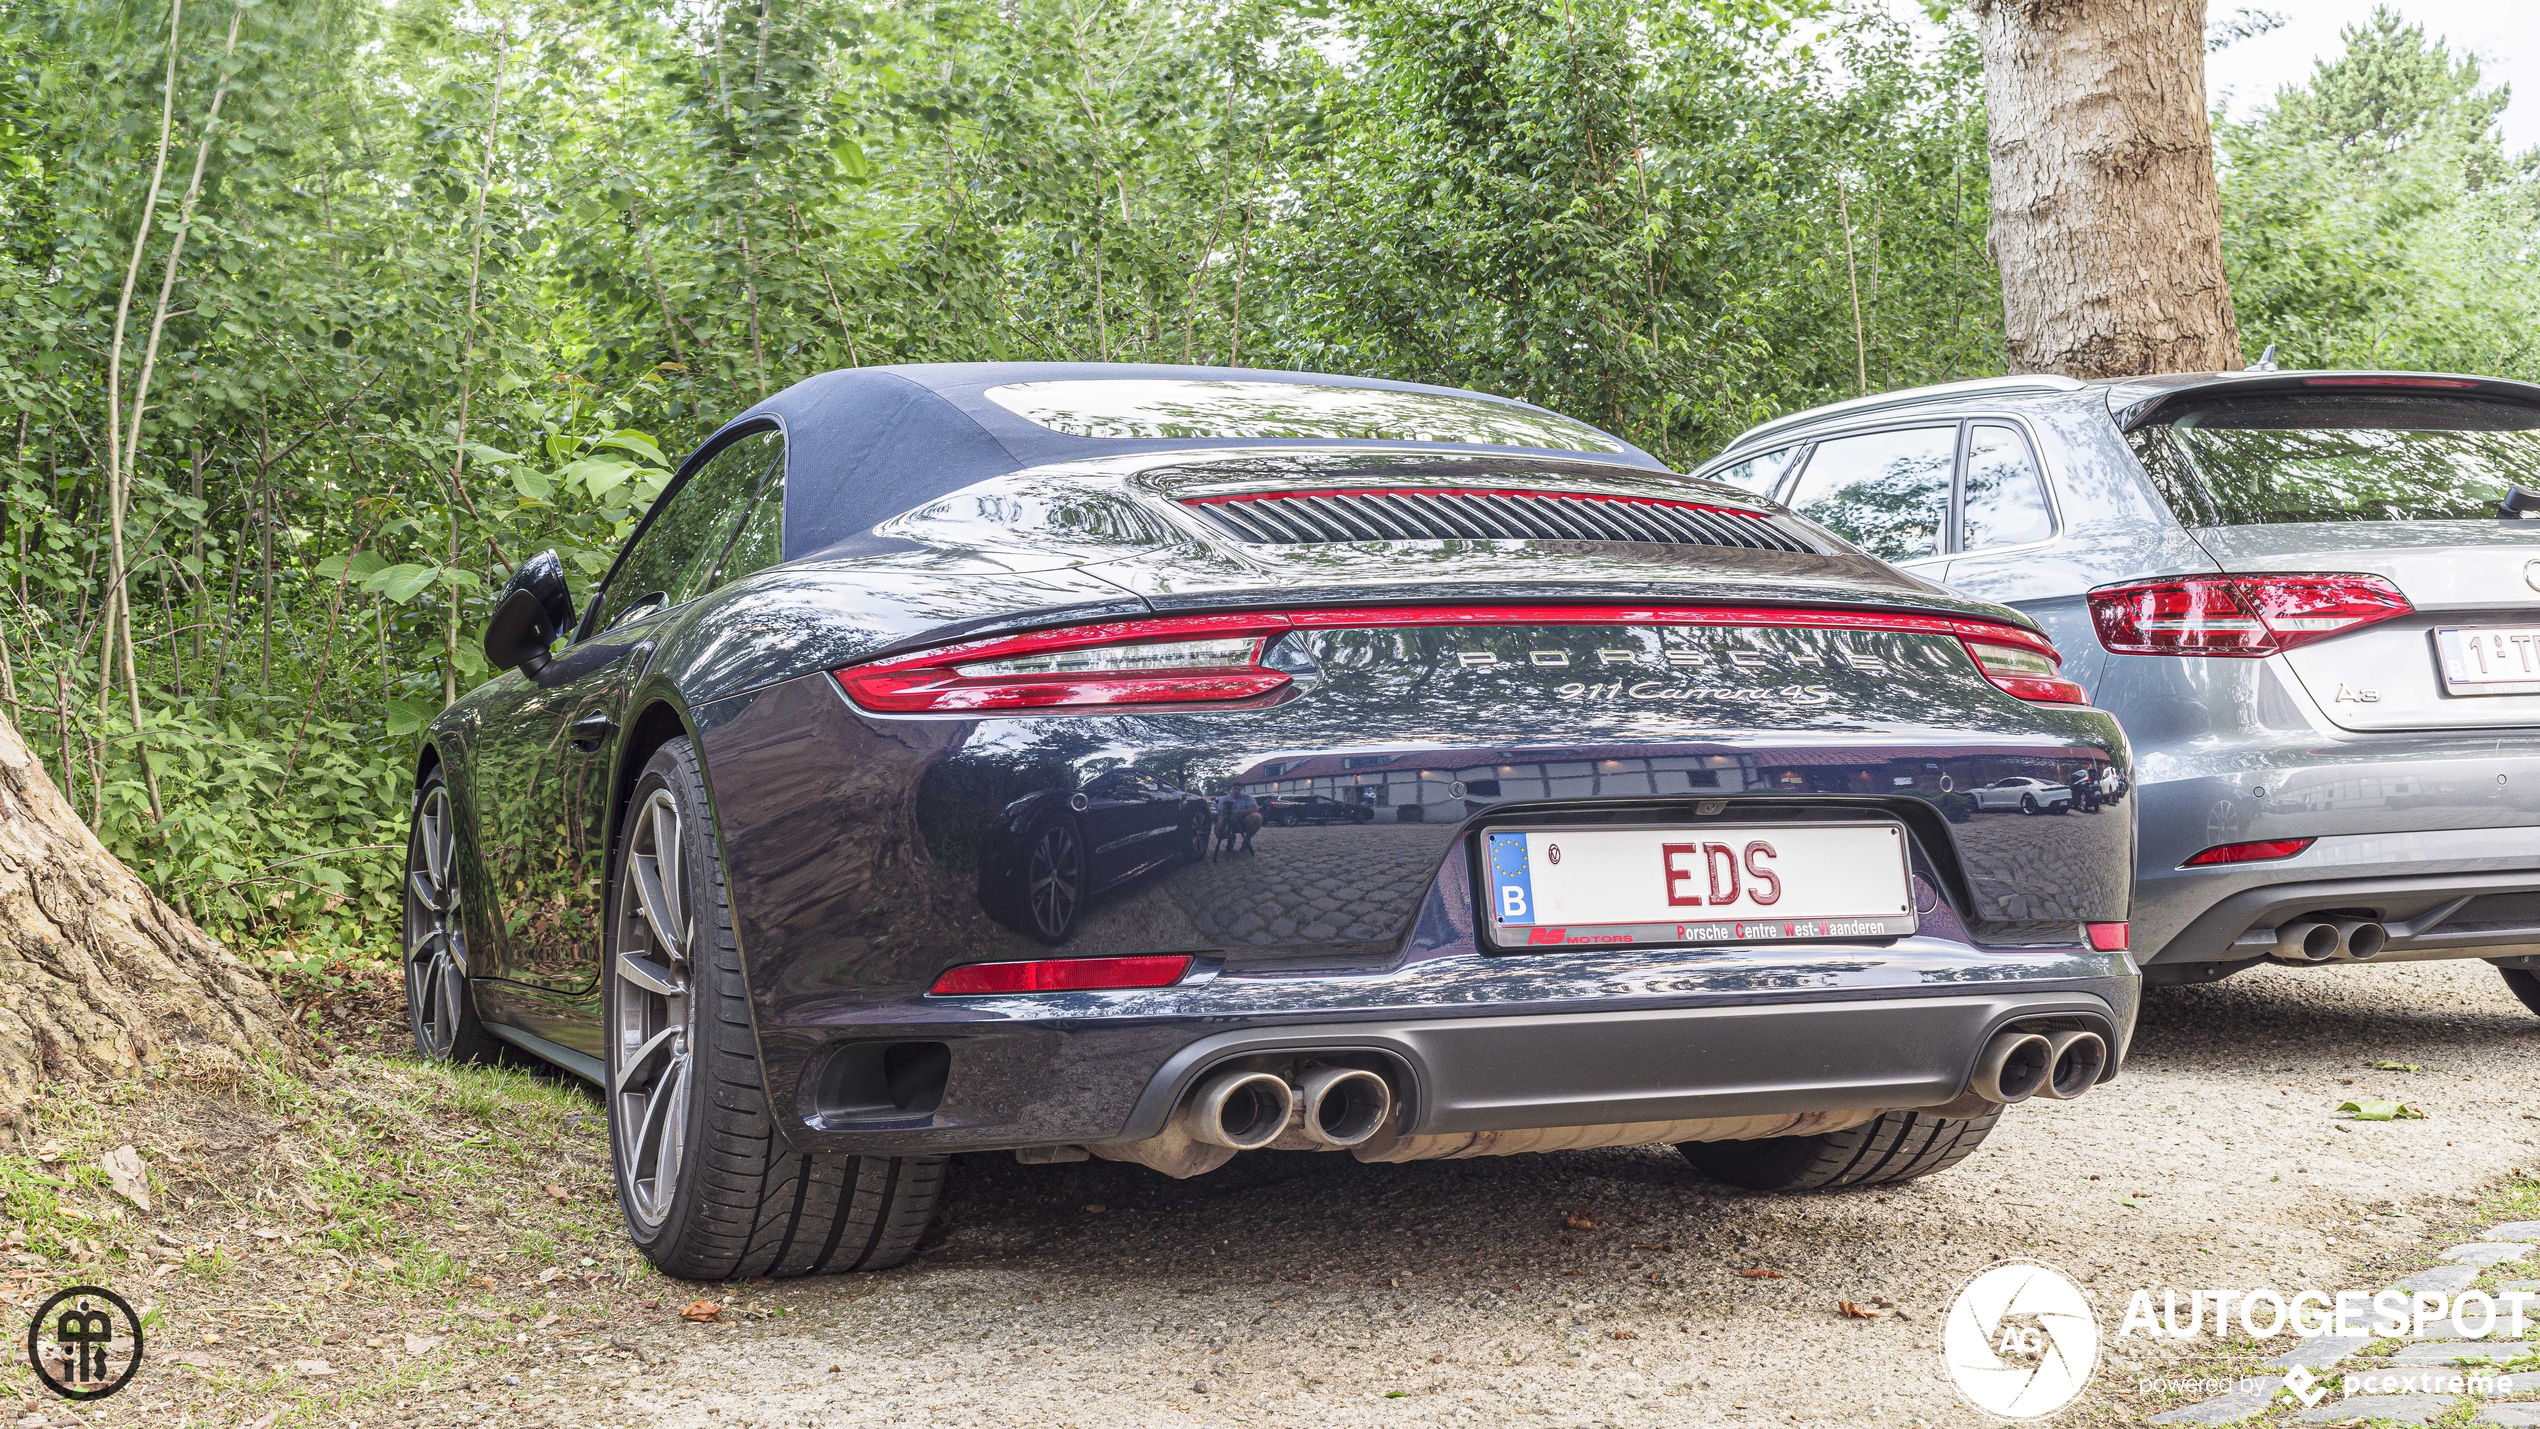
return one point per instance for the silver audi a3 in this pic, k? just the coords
(2312, 598)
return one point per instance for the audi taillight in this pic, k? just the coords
(2243, 616)
(2027, 671)
(1235, 659)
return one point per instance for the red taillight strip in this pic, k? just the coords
(2256, 851)
(1060, 975)
(1190, 627)
(1518, 492)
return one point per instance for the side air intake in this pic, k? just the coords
(1291, 518)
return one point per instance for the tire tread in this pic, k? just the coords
(1893, 1147)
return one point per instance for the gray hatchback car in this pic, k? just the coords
(2312, 599)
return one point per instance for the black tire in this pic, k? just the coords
(1898, 1146)
(2028, 803)
(737, 1202)
(2524, 984)
(440, 1002)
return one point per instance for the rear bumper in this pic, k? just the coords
(1479, 1042)
(2451, 893)
(1667, 1064)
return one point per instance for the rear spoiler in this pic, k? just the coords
(2144, 402)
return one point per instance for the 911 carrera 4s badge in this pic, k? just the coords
(1713, 884)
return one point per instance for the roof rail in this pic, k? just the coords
(2039, 382)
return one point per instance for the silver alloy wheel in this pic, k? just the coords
(436, 945)
(654, 1074)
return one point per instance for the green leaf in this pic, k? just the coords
(401, 583)
(2382, 1111)
(600, 475)
(537, 486)
(482, 452)
(851, 159)
(409, 716)
(2385, 1064)
(637, 442)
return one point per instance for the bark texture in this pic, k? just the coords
(98, 977)
(2106, 218)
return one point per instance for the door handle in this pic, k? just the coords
(590, 732)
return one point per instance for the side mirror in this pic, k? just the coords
(529, 614)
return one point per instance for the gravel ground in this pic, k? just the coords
(1605, 1287)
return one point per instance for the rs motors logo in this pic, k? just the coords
(2020, 1340)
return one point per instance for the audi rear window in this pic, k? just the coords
(2279, 458)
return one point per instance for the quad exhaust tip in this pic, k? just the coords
(2014, 1066)
(1340, 1107)
(2074, 1061)
(1242, 1110)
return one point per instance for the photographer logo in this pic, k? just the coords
(2020, 1340)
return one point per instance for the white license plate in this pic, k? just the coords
(1752, 884)
(2490, 660)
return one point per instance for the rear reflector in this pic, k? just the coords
(1223, 659)
(2244, 616)
(2256, 852)
(2025, 672)
(1060, 975)
(2107, 937)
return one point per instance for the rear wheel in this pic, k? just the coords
(1897, 1146)
(1054, 879)
(709, 1189)
(440, 1007)
(2028, 803)
(2524, 984)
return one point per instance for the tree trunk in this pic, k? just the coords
(99, 978)
(2106, 219)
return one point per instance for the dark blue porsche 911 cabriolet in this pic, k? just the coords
(900, 793)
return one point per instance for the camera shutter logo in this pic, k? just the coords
(2020, 1340)
(85, 1343)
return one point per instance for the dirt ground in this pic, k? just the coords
(384, 1243)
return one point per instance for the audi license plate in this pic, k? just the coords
(1630, 887)
(2495, 660)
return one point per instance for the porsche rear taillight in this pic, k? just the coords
(2025, 671)
(1232, 659)
(2243, 616)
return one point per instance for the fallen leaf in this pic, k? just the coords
(127, 1175)
(266, 1233)
(2382, 1111)
(1096, 1210)
(1626, 1335)
(550, 1273)
(313, 1368)
(1580, 1221)
(545, 1320)
(559, 1192)
(422, 1344)
(162, 1272)
(701, 1311)
(2385, 1064)
(49, 1152)
(1761, 1274)
(1858, 1312)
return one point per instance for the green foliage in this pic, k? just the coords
(459, 283)
(2372, 219)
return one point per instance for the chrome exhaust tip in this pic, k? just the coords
(2308, 941)
(1242, 1110)
(2360, 940)
(2074, 1062)
(2013, 1067)
(1340, 1107)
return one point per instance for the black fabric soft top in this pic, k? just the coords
(865, 444)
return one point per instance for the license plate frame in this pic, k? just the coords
(1885, 913)
(2468, 657)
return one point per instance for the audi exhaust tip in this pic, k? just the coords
(2308, 941)
(1339, 1107)
(2014, 1066)
(2360, 940)
(2074, 1062)
(1242, 1110)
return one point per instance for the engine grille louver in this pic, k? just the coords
(1290, 518)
